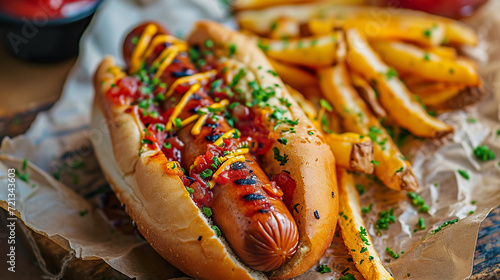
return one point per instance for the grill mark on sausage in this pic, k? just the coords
(183, 73)
(254, 196)
(247, 181)
(237, 165)
(213, 137)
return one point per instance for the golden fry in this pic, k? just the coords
(390, 165)
(351, 151)
(391, 30)
(354, 233)
(415, 61)
(399, 102)
(313, 51)
(368, 94)
(285, 28)
(293, 75)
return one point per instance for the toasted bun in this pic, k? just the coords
(310, 160)
(157, 202)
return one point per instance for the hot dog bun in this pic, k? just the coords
(158, 202)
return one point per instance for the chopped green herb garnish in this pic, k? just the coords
(206, 173)
(348, 276)
(283, 140)
(418, 201)
(386, 218)
(167, 145)
(391, 73)
(421, 223)
(473, 202)
(310, 132)
(399, 170)
(323, 268)
(374, 162)
(232, 49)
(447, 223)
(209, 43)
(282, 159)
(364, 249)
(360, 188)
(427, 57)
(147, 141)
(427, 33)
(263, 47)
(217, 230)
(391, 253)
(135, 40)
(367, 210)
(207, 211)
(471, 120)
(484, 153)
(272, 73)
(464, 174)
(363, 235)
(177, 122)
(326, 105)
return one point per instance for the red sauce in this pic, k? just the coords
(288, 185)
(46, 9)
(125, 91)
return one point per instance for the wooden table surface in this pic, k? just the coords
(26, 89)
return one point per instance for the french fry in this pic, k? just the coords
(351, 151)
(443, 52)
(368, 94)
(416, 61)
(399, 102)
(293, 75)
(354, 233)
(390, 165)
(285, 27)
(314, 52)
(394, 29)
(435, 94)
(376, 22)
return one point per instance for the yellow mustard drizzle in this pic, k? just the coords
(144, 48)
(223, 167)
(196, 77)
(140, 48)
(182, 103)
(225, 136)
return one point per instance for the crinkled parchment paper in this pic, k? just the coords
(69, 210)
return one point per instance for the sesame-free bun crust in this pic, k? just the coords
(158, 202)
(310, 160)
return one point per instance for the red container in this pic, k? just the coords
(448, 8)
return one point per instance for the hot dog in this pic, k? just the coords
(199, 115)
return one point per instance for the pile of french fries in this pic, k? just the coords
(355, 69)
